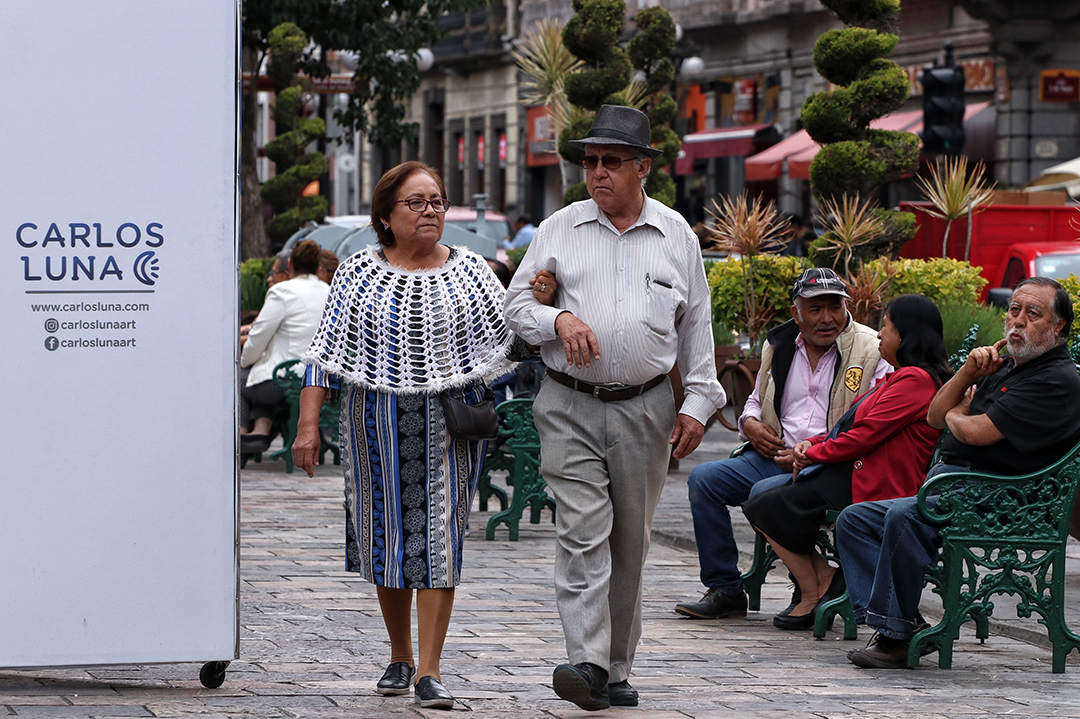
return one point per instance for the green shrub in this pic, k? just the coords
(1072, 286)
(774, 276)
(589, 88)
(660, 187)
(516, 254)
(575, 193)
(839, 54)
(958, 317)
(253, 287)
(945, 281)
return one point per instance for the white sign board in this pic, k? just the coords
(118, 237)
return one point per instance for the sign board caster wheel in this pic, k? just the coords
(212, 674)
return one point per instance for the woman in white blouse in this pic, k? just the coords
(282, 331)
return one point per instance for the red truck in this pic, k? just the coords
(1009, 243)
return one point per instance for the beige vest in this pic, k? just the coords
(858, 357)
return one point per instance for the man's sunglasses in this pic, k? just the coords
(611, 162)
(419, 204)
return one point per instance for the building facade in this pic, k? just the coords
(757, 70)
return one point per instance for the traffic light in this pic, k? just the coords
(943, 109)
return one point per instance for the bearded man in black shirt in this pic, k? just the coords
(1006, 416)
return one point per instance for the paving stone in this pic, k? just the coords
(313, 643)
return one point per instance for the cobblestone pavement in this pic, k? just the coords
(312, 642)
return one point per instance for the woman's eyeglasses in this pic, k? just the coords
(419, 204)
(611, 162)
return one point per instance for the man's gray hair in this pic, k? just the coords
(640, 155)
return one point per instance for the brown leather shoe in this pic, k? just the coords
(924, 650)
(882, 652)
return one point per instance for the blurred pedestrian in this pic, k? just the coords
(523, 233)
(281, 331)
(328, 264)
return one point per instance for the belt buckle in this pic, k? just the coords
(608, 386)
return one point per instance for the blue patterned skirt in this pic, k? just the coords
(408, 487)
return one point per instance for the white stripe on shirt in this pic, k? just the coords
(642, 292)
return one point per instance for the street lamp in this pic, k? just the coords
(691, 66)
(425, 59)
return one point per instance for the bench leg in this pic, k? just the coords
(764, 559)
(827, 611)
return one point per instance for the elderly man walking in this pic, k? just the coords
(997, 412)
(631, 301)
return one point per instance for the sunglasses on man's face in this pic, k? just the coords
(611, 162)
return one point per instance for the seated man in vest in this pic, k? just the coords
(812, 367)
(1006, 416)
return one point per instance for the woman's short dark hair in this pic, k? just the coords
(305, 257)
(385, 195)
(922, 344)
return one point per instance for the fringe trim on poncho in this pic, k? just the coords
(386, 328)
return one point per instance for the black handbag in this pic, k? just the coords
(470, 422)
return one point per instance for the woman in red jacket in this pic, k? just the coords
(880, 449)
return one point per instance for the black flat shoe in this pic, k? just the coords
(431, 694)
(621, 694)
(254, 443)
(796, 597)
(837, 586)
(395, 680)
(803, 621)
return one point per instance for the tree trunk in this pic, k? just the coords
(252, 234)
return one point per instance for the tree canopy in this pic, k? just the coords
(380, 34)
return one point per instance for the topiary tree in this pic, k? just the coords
(295, 167)
(856, 160)
(592, 34)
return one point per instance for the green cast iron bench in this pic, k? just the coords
(292, 384)
(1000, 535)
(765, 558)
(519, 456)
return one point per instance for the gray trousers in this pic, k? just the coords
(605, 464)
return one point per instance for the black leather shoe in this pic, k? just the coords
(715, 605)
(881, 653)
(621, 694)
(806, 621)
(254, 443)
(796, 597)
(582, 684)
(431, 694)
(803, 621)
(396, 679)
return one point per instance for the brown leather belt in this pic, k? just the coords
(605, 393)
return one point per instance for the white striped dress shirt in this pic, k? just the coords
(642, 292)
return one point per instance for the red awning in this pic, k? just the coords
(798, 164)
(718, 142)
(768, 165)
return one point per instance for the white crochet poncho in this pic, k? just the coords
(387, 328)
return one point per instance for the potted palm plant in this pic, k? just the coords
(955, 193)
(751, 291)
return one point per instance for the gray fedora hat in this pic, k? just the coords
(617, 125)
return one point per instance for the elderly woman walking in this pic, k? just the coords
(406, 321)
